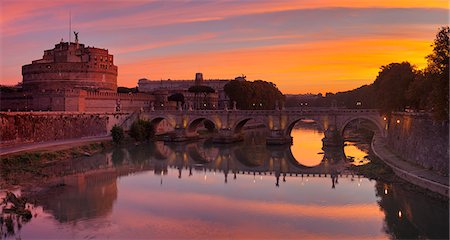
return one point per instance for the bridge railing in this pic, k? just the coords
(266, 112)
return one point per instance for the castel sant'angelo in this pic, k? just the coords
(75, 78)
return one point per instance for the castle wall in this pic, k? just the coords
(29, 127)
(75, 101)
(419, 139)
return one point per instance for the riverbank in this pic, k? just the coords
(27, 165)
(413, 174)
(52, 145)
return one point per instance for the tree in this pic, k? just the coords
(391, 84)
(418, 92)
(176, 97)
(117, 134)
(254, 95)
(437, 73)
(142, 130)
(127, 90)
(198, 89)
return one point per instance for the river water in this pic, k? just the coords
(244, 190)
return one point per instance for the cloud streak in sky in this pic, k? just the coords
(302, 46)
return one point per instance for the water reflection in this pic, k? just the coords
(246, 190)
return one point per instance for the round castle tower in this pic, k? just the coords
(71, 66)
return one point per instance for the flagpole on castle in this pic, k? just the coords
(70, 26)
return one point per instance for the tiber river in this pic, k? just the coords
(246, 190)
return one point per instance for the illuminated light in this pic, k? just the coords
(384, 118)
(399, 214)
(398, 121)
(385, 191)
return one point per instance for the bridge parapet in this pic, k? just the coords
(279, 122)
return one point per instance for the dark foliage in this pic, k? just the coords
(201, 89)
(253, 95)
(127, 90)
(176, 97)
(142, 130)
(117, 134)
(391, 85)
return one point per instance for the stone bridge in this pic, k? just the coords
(230, 123)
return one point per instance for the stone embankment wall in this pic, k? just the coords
(419, 139)
(29, 127)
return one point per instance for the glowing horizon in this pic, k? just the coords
(301, 46)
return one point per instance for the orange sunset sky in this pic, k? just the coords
(302, 46)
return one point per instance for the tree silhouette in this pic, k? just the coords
(200, 89)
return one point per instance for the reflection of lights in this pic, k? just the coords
(260, 177)
(399, 214)
(359, 184)
(307, 179)
(205, 177)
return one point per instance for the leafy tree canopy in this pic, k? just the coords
(176, 97)
(201, 89)
(253, 95)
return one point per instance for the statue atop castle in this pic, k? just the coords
(76, 36)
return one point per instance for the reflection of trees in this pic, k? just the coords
(412, 215)
(118, 156)
(333, 155)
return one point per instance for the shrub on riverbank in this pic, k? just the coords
(117, 134)
(142, 130)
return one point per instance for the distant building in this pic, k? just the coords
(217, 100)
(72, 77)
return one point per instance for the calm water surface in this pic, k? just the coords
(246, 190)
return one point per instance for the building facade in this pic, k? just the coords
(217, 100)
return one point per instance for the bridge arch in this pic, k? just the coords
(195, 123)
(298, 119)
(240, 123)
(156, 120)
(376, 121)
